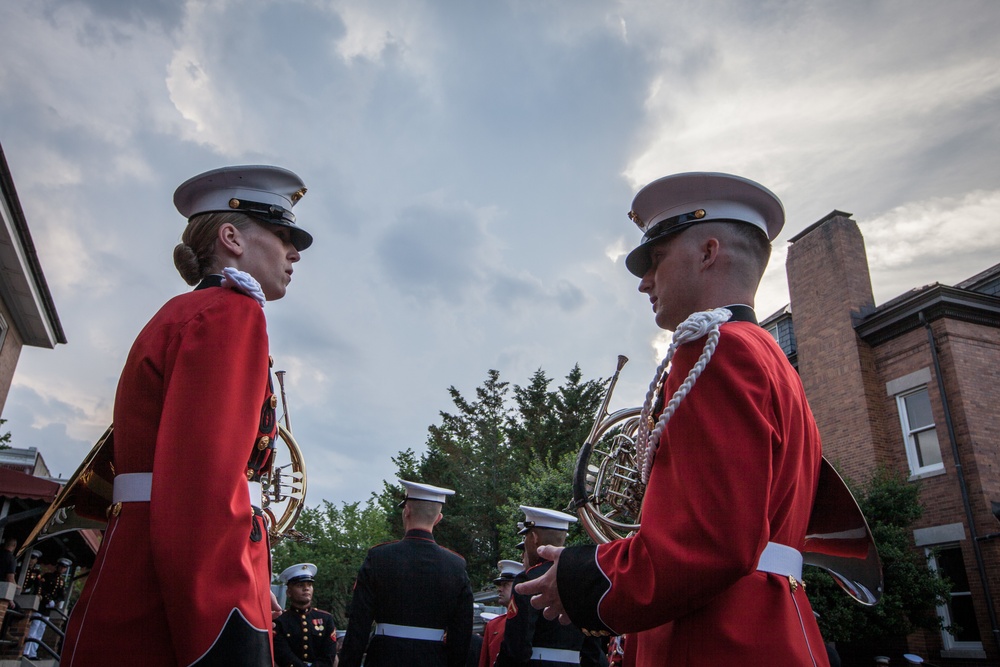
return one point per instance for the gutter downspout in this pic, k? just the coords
(961, 483)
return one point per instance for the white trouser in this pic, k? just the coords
(36, 631)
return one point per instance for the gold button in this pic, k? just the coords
(274, 401)
(249, 473)
(115, 509)
(263, 442)
(270, 361)
(234, 203)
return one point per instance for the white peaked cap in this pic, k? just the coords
(300, 572)
(539, 517)
(417, 491)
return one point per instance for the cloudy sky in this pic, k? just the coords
(469, 167)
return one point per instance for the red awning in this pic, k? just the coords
(14, 484)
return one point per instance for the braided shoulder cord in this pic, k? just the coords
(241, 281)
(694, 327)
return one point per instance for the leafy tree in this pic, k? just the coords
(912, 590)
(5, 438)
(341, 537)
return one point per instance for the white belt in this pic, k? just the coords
(555, 655)
(134, 487)
(409, 632)
(780, 559)
(137, 487)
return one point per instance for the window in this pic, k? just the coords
(922, 448)
(959, 611)
(784, 333)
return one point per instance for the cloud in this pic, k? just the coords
(437, 250)
(165, 13)
(525, 291)
(60, 78)
(61, 429)
(943, 239)
(814, 107)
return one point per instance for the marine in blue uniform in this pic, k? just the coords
(303, 635)
(530, 639)
(416, 592)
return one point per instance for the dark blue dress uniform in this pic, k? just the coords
(304, 637)
(530, 639)
(419, 596)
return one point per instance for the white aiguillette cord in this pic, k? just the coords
(242, 281)
(699, 324)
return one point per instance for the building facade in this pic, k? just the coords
(27, 312)
(910, 384)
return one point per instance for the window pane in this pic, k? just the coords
(964, 616)
(918, 409)
(928, 449)
(951, 564)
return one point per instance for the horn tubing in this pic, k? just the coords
(284, 403)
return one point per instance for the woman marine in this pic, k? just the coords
(183, 574)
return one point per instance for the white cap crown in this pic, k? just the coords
(539, 517)
(418, 491)
(299, 572)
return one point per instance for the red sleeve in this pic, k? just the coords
(215, 375)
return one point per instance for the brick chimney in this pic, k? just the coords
(830, 288)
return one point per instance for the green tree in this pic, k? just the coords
(5, 438)
(340, 539)
(912, 590)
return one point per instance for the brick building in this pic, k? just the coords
(910, 384)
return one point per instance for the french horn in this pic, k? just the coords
(608, 493)
(84, 501)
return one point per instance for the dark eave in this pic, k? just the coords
(22, 280)
(902, 314)
(786, 311)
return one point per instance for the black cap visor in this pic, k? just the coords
(275, 215)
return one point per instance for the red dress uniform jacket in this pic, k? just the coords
(492, 637)
(185, 578)
(737, 467)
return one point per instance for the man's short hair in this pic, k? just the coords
(550, 536)
(423, 511)
(756, 241)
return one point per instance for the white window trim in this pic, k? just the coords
(913, 460)
(949, 643)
